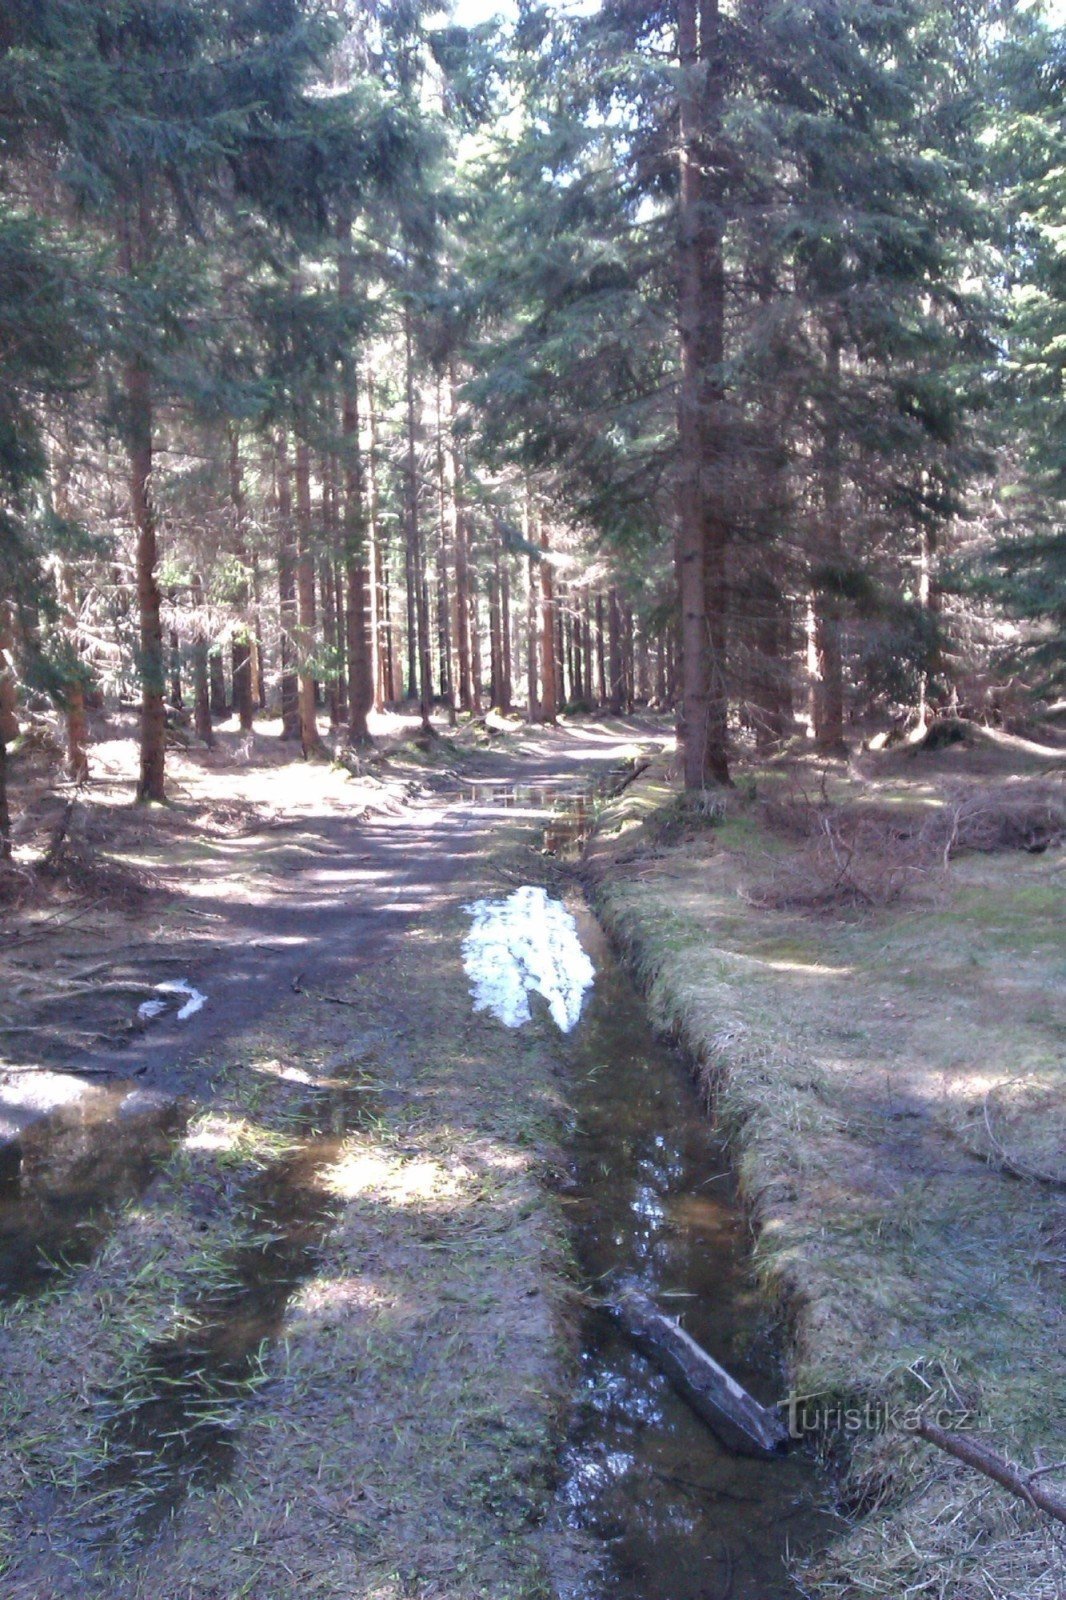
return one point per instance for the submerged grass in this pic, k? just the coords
(853, 1061)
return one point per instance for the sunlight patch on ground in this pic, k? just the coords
(523, 945)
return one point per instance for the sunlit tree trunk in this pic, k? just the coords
(616, 683)
(549, 705)
(200, 680)
(9, 722)
(506, 683)
(290, 697)
(305, 601)
(702, 530)
(828, 606)
(462, 558)
(242, 641)
(380, 624)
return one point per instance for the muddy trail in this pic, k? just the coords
(659, 1508)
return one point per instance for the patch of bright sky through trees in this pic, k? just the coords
(468, 13)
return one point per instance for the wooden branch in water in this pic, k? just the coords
(735, 1416)
(994, 1467)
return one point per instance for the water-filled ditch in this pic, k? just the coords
(651, 1201)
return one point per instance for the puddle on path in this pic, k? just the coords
(72, 1173)
(174, 1428)
(652, 1199)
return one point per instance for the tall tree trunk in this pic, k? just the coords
(5, 810)
(616, 685)
(506, 684)
(549, 706)
(333, 578)
(476, 674)
(330, 637)
(175, 670)
(74, 712)
(601, 663)
(290, 694)
(150, 784)
(532, 634)
(200, 681)
(242, 639)
(9, 722)
(929, 599)
(357, 612)
(446, 522)
(217, 679)
(77, 722)
(495, 664)
(702, 529)
(828, 607)
(454, 470)
(305, 601)
(380, 643)
(419, 661)
(258, 665)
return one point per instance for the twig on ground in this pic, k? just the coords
(50, 925)
(994, 1467)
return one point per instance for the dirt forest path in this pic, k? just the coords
(326, 1352)
(358, 887)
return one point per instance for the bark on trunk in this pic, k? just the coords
(828, 608)
(462, 560)
(175, 670)
(242, 647)
(305, 602)
(549, 706)
(151, 781)
(506, 685)
(702, 530)
(533, 709)
(419, 663)
(200, 681)
(616, 688)
(380, 649)
(290, 694)
(360, 654)
(9, 722)
(601, 664)
(5, 813)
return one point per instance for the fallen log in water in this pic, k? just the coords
(736, 1417)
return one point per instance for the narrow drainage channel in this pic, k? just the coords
(651, 1198)
(652, 1201)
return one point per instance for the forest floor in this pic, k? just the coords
(357, 1183)
(866, 960)
(871, 1002)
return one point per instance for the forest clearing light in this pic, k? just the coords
(523, 944)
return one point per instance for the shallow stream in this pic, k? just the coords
(652, 1199)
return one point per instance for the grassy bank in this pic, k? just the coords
(885, 1049)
